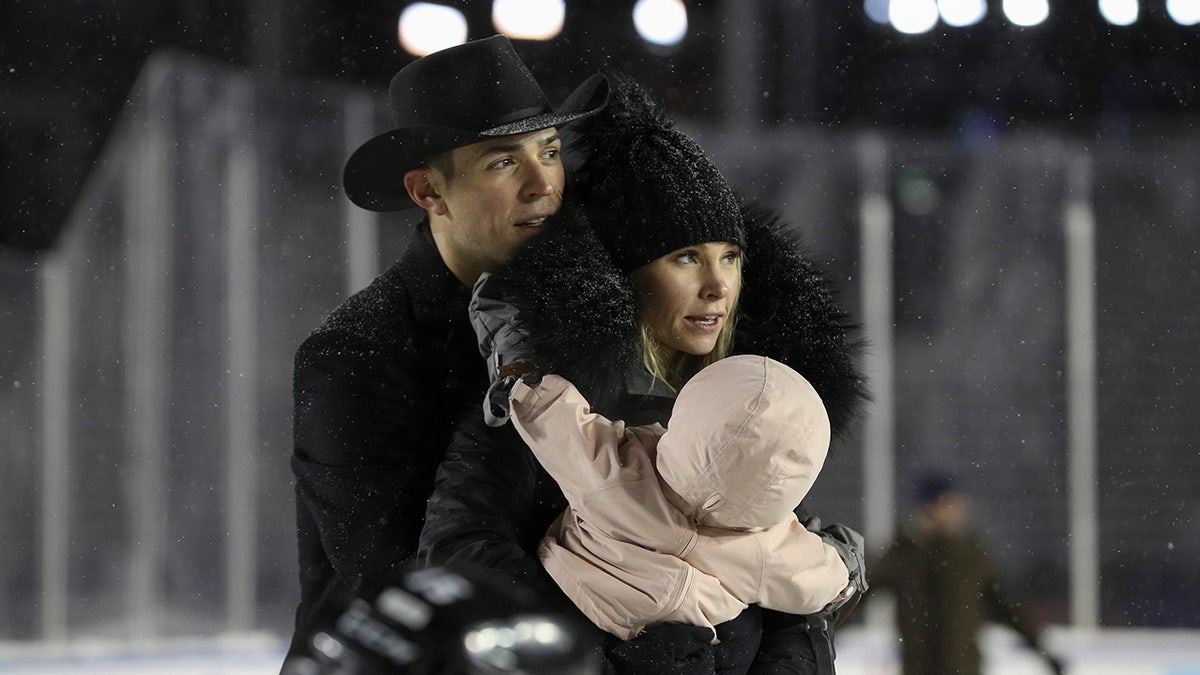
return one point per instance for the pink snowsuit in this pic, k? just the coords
(695, 523)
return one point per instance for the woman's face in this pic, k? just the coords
(687, 296)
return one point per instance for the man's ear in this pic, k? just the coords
(422, 191)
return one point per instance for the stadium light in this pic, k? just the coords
(913, 16)
(1026, 12)
(528, 19)
(1119, 12)
(960, 13)
(425, 28)
(1184, 12)
(877, 10)
(661, 22)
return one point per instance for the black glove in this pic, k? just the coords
(794, 644)
(662, 649)
(851, 547)
(502, 343)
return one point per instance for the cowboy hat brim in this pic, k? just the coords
(374, 174)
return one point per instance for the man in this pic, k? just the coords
(946, 586)
(381, 382)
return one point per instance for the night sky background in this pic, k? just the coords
(68, 67)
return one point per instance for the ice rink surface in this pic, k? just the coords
(860, 652)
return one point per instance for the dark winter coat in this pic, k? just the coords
(492, 502)
(946, 588)
(378, 388)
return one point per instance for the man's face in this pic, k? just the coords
(501, 192)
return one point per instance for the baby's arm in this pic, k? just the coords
(802, 574)
(556, 422)
(784, 567)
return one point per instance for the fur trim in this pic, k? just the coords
(580, 311)
(788, 312)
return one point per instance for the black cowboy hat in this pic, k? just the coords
(451, 98)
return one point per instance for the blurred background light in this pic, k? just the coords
(661, 22)
(1026, 12)
(960, 13)
(528, 19)
(877, 10)
(1119, 12)
(425, 28)
(1184, 12)
(913, 16)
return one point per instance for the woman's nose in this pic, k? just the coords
(715, 287)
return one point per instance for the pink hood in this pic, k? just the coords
(747, 438)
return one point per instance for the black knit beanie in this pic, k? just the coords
(647, 187)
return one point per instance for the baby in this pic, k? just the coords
(694, 523)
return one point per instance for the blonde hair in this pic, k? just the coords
(678, 369)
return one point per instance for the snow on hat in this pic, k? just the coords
(648, 188)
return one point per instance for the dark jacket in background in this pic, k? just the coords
(378, 388)
(946, 589)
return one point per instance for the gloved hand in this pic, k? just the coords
(502, 342)
(662, 649)
(851, 547)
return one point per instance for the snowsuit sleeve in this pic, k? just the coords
(556, 422)
(784, 567)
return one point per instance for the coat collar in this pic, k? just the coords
(438, 298)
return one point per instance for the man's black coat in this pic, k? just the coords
(378, 389)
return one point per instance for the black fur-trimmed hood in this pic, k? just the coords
(580, 311)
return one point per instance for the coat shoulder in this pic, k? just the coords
(791, 312)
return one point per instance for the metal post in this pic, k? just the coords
(241, 361)
(55, 295)
(1080, 224)
(875, 271)
(148, 273)
(362, 226)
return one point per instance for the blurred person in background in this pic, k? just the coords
(946, 586)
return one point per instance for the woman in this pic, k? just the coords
(627, 295)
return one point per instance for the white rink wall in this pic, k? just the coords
(1082, 652)
(860, 652)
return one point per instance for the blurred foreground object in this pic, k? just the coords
(448, 622)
